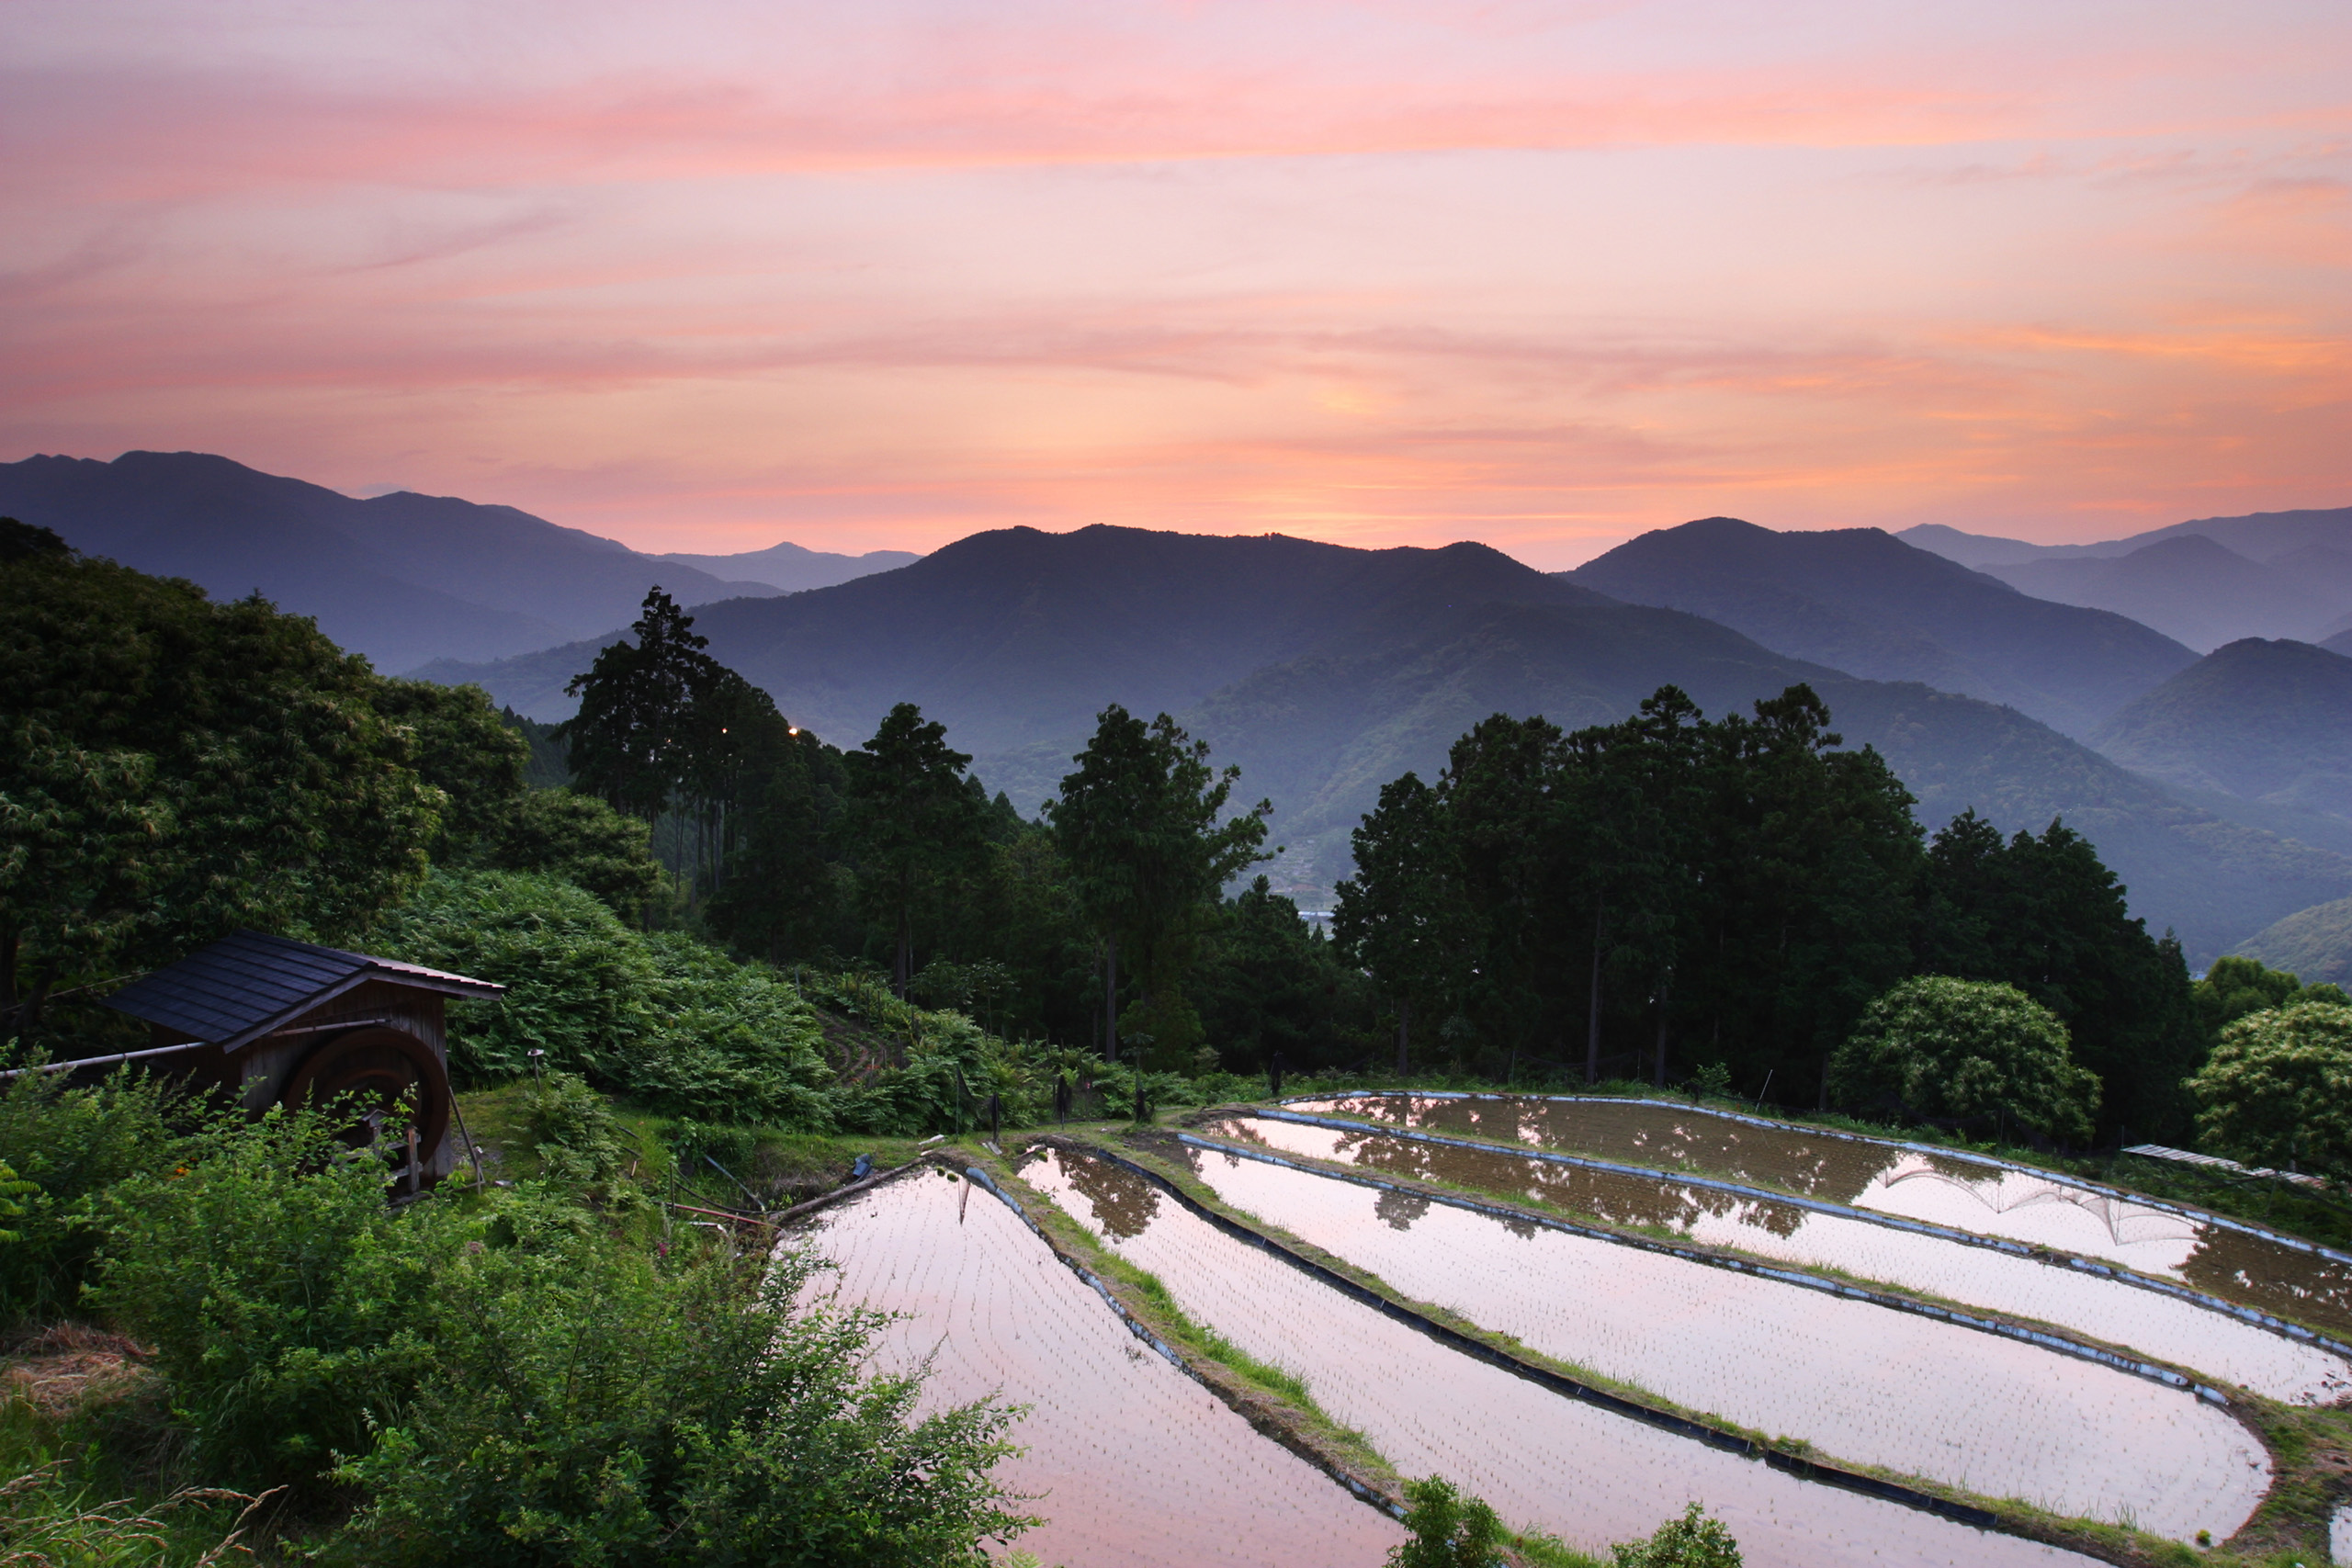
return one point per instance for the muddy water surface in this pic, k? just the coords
(1863, 1383)
(1541, 1460)
(2150, 1323)
(2040, 1211)
(1140, 1465)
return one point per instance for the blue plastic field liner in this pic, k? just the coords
(2041, 1338)
(981, 1179)
(2099, 1189)
(1557, 1383)
(2133, 1278)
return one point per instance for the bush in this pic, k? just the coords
(1449, 1529)
(286, 1300)
(590, 1407)
(1694, 1541)
(663, 1019)
(1969, 1050)
(566, 1124)
(2277, 1090)
(71, 1145)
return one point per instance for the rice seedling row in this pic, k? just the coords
(1893, 1390)
(2155, 1318)
(1133, 1461)
(1576, 1467)
(2283, 1275)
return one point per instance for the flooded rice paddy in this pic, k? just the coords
(1138, 1465)
(2240, 1264)
(2152, 1324)
(1543, 1459)
(1865, 1384)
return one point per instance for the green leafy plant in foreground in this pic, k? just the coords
(1695, 1540)
(1449, 1529)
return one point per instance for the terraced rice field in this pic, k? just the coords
(1544, 1460)
(1863, 1383)
(2091, 1306)
(1132, 1462)
(2238, 1263)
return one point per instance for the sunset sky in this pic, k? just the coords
(706, 276)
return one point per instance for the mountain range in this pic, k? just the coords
(401, 578)
(794, 568)
(1866, 602)
(2206, 582)
(1326, 670)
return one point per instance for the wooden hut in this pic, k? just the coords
(275, 1021)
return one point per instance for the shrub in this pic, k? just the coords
(591, 1407)
(1694, 1541)
(2277, 1090)
(1968, 1049)
(71, 1144)
(566, 1124)
(1449, 1529)
(285, 1299)
(663, 1019)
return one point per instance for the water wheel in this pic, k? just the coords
(390, 1078)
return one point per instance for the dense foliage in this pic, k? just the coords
(1450, 1530)
(1674, 889)
(171, 769)
(2277, 1090)
(516, 1378)
(1966, 1050)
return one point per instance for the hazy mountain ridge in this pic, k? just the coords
(1864, 602)
(401, 578)
(2269, 574)
(793, 568)
(2315, 944)
(2270, 722)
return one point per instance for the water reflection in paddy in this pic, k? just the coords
(2040, 1211)
(1541, 1460)
(1865, 1383)
(2153, 1324)
(1139, 1464)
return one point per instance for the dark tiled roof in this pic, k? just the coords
(243, 986)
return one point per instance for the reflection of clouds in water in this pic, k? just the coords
(2040, 1212)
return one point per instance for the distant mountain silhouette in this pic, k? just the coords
(2275, 574)
(2269, 722)
(1866, 602)
(2315, 944)
(2196, 589)
(1326, 671)
(793, 568)
(1016, 636)
(402, 578)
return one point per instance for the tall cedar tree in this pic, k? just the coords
(1406, 917)
(1139, 827)
(629, 741)
(2044, 915)
(914, 822)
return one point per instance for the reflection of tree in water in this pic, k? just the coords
(1828, 1168)
(1628, 1201)
(2263, 1274)
(1399, 1209)
(1125, 1204)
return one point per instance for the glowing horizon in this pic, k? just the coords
(1393, 273)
